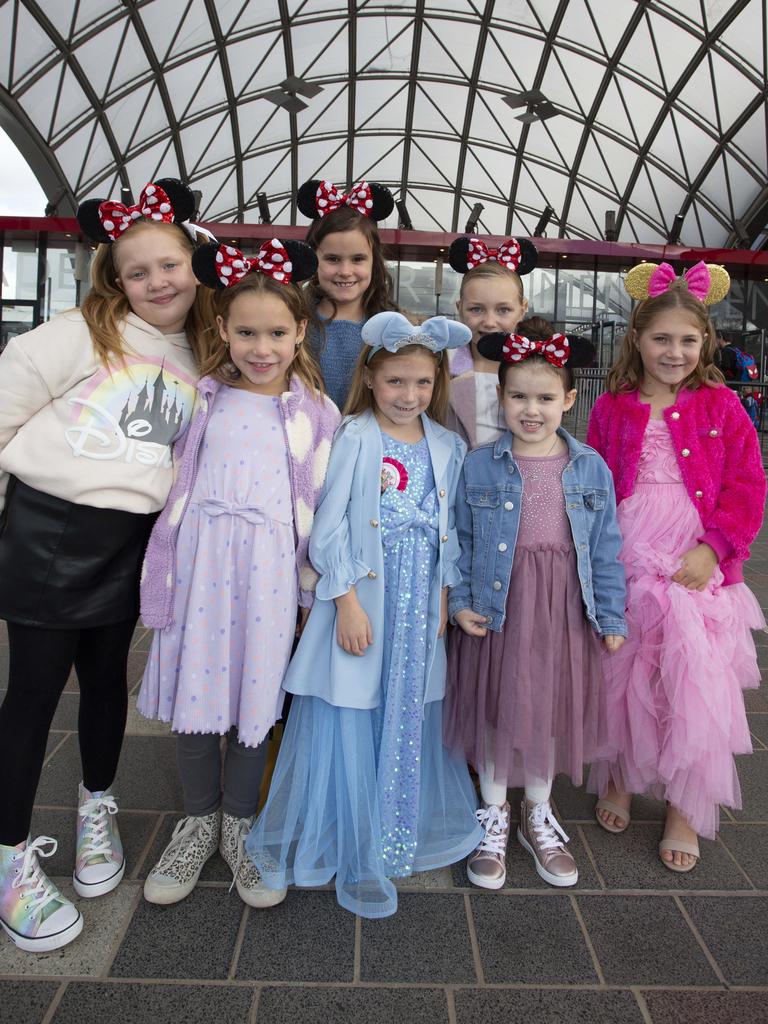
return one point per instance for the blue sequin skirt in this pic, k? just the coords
(323, 818)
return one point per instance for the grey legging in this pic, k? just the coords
(199, 760)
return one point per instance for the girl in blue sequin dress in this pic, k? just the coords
(363, 788)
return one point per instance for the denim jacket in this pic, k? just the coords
(487, 519)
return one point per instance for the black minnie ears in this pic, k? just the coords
(491, 346)
(317, 198)
(516, 254)
(166, 200)
(287, 262)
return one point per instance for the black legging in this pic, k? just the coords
(40, 663)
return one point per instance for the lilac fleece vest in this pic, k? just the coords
(309, 423)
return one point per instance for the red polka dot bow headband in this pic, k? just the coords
(154, 204)
(468, 252)
(319, 197)
(164, 201)
(221, 266)
(328, 198)
(555, 349)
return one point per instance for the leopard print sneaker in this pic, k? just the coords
(245, 875)
(175, 875)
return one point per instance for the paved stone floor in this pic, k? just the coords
(631, 943)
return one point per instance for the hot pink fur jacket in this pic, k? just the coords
(718, 454)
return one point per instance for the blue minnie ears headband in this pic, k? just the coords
(393, 331)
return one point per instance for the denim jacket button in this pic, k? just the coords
(374, 522)
(508, 506)
(489, 618)
(444, 538)
(496, 585)
(502, 546)
(442, 492)
(371, 575)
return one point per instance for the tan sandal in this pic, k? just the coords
(679, 846)
(612, 808)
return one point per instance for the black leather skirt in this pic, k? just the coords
(68, 566)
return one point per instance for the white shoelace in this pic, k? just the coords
(184, 835)
(96, 811)
(31, 879)
(495, 822)
(547, 827)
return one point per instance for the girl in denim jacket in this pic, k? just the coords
(690, 484)
(541, 583)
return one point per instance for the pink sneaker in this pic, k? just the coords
(543, 837)
(487, 865)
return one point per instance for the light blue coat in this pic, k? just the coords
(346, 549)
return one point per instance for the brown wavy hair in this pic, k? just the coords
(490, 269)
(360, 397)
(304, 365)
(626, 374)
(105, 307)
(378, 294)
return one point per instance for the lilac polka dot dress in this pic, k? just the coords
(221, 662)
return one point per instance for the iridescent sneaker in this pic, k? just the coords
(99, 861)
(175, 875)
(543, 837)
(32, 910)
(487, 865)
(245, 875)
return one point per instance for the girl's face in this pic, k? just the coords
(670, 349)
(490, 304)
(263, 337)
(155, 272)
(344, 268)
(533, 401)
(402, 388)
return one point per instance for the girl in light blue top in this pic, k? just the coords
(363, 788)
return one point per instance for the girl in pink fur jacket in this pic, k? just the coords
(691, 488)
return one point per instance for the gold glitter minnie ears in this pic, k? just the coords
(708, 282)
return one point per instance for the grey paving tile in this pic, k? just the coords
(545, 1006)
(89, 955)
(352, 1006)
(749, 845)
(135, 830)
(215, 870)
(307, 937)
(92, 1003)
(758, 726)
(4, 662)
(644, 940)
(531, 940)
(735, 933)
(426, 940)
(138, 725)
(753, 776)
(521, 872)
(439, 878)
(757, 700)
(142, 639)
(631, 861)
(25, 1002)
(192, 939)
(147, 778)
(576, 804)
(707, 1007)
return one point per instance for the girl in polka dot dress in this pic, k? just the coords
(227, 561)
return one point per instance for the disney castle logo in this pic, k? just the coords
(150, 420)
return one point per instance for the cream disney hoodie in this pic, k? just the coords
(73, 429)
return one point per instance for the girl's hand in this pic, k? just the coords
(696, 567)
(613, 643)
(353, 628)
(303, 616)
(443, 611)
(472, 623)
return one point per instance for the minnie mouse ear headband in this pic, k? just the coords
(468, 252)
(708, 282)
(166, 200)
(514, 348)
(219, 266)
(317, 198)
(392, 331)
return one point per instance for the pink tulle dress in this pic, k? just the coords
(675, 709)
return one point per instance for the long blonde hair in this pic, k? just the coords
(360, 397)
(105, 307)
(219, 364)
(626, 374)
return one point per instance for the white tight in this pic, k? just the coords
(537, 790)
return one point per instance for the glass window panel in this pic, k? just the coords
(643, 199)
(757, 305)
(385, 44)
(245, 58)
(751, 139)
(374, 110)
(697, 145)
(435, 160)
(32, 44)
(183, 82)
(639, 57)
(586, 74)
(39, 99)
(219, 195)
(517, 12)
(89, 11)
(545, 10)
(73, 102)
(433, 58)
(620, 159)
(510, 60)
(642, 104)
(745, 36)
(540, 290)
(227, 11)
(380, 160)
(612, 19)
(325, 113)
(459, 38)
(676, 47)
(319, 159)
(159, 161)
(479, 176)
(60, 15)
(66, 275)
(152, 119)
(71, 153)
(93, 55)
(257, 170)
(212, 88)
(100, 159)
(458, 6)
(698, 94)
(310, 41)
(131, 60)
(671, 198)
(490, 119)
(431, 211)
(557, 86)
(122, 115)
(581, 221)
(442, 110)
(612, 310)
(415, 287)
(575, 297)
(734, 90)
(15, 319)
(594, 167)
(578, 27)
(19, 266)
(262, 125)
(612, 112)
(715, 189)
(744, 187)
(6, 35)
(199, 143)
(712, 231)
(195, 30)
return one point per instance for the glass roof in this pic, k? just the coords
(642, 107)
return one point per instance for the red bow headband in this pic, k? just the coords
(328, 198)
(555, 349)
(508, 254)
(153, 204)
(272, 260)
